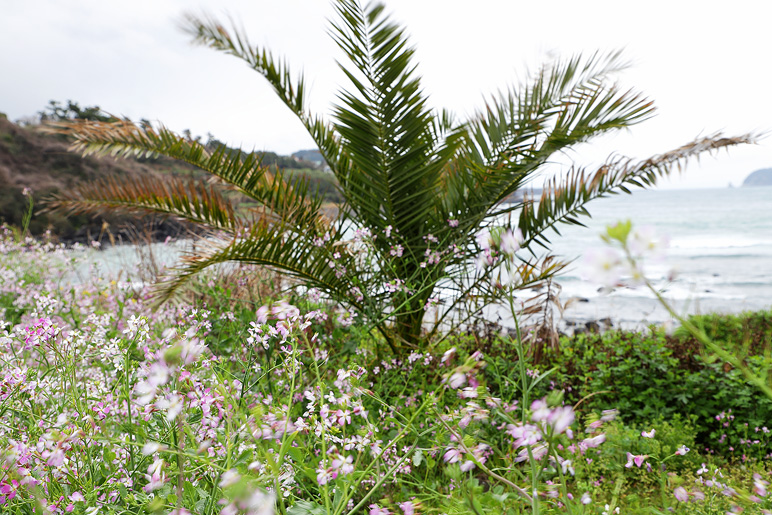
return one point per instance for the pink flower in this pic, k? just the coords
(638, 459)
(560, 418)
(510, 241)
(586, 498)
(650, 434)
(457, 380)
(759, 485)
(452, 455)
(540, 410)
(467, 466)
(681, 494)
(377, 510)
(407, 507)
(484, 239)
(593, 442)
(682, 450)
(524, 435)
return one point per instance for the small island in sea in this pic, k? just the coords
(759, 178)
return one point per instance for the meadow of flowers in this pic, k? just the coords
(110, 404)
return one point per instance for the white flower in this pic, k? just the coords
(561, 418)
(645, 240)
(484, 239)
(682, 450)
(605, 266)
(586, 498)
(151, 447)
(229, 478)
(510, 241)
(172, 404)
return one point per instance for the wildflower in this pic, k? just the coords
(172, 404)
(682, 450)
(608, 415)
(650, 434)
(151, 448)
(448, 355)
(467, 466)
(155, 476)
(377, 510)
(229, 478)
(607, 510)
(593, 442)
(452, 455)
(644, 240)
(759, 485)
(681, 494)
(540, 410)
(560, 418)
(537, 453)
(457, 380)
(484, 239)
(468, 393)
(586, 499)
(604, 266)
(452, 222)
(638, 459)
(407, 507)
(510, 242)
(524, 434)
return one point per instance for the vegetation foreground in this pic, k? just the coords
(111, 405)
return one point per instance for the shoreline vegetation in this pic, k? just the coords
(234, 401)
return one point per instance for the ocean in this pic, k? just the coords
(720, 245)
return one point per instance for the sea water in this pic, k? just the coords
(720, 246)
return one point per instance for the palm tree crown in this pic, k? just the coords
(419, 186)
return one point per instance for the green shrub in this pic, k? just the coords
(649, 376)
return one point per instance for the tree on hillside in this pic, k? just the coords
(55, 111)
(420, 186)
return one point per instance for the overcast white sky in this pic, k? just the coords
(706, 64)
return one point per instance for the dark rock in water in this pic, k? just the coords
(606, 321)
(715, 275)
(592, 327)
(708, 291)
(759, 178)
(582, 299)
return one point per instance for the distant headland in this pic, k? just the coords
(759, 178)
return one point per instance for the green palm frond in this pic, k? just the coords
(242, 171)
(563, 201)
(278, 247)
(292, 91)
(186, 200)
(384, 124)
(568, 103)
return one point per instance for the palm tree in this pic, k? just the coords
(419, 186)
